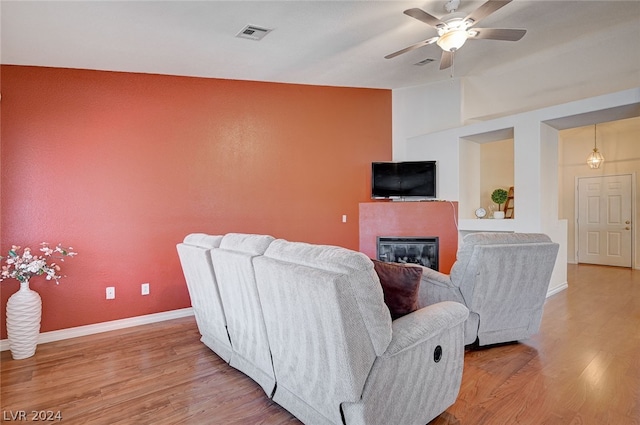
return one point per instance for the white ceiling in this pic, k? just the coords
(336, 43)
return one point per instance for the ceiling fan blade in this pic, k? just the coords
(412, 47)
(423, 16)
(498, 34)
(486, 9)
(446, 60)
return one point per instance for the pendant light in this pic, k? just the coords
(595, 158)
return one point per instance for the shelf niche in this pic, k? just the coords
(486, 163)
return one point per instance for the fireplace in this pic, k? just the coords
(416, 250)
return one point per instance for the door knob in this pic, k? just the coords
(627, 222)
(627, 228)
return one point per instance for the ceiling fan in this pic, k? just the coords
(455, 29)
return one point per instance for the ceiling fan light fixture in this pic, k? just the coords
(452, 40)
(455, 28)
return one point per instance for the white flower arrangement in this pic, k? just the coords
(22, 266)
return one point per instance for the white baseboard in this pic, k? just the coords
(557, 289)
(106, 326)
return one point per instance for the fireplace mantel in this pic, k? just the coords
(411, 219)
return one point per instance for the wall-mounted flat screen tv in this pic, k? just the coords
(397, 180)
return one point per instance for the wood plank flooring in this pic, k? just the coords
(582, 368)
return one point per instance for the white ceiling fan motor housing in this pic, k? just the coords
(452, 5)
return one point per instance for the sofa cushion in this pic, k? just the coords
(248, 243)
(203, 240)
(400, 285)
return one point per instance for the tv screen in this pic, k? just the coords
(412, 179)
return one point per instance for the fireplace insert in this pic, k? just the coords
(414, 250)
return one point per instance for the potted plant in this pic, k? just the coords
(24, 308)
(499, 196)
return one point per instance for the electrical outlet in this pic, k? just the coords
(111, 292)
(344, 218)
(144, 288)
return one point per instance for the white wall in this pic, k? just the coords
(440, 149)
(470, 172)
(536, 169)
(423, 109)
(550, 221)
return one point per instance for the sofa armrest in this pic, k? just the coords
(436, 287)
(436, 278)
(419, 374)
(424, 324)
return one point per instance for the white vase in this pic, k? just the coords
(24, 310)
(498, 215)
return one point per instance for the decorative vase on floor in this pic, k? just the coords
(24, 310)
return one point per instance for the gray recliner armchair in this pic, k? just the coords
(503, 280)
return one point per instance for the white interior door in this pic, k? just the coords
(604, 220)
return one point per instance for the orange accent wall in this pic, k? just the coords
(122, 166)
(411, 219)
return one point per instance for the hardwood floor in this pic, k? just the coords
(583, 367)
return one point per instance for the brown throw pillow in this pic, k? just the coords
(400, 286)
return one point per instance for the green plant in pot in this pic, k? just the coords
(499, 196)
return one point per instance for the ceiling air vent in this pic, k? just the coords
(253, 32)
(424, 62)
